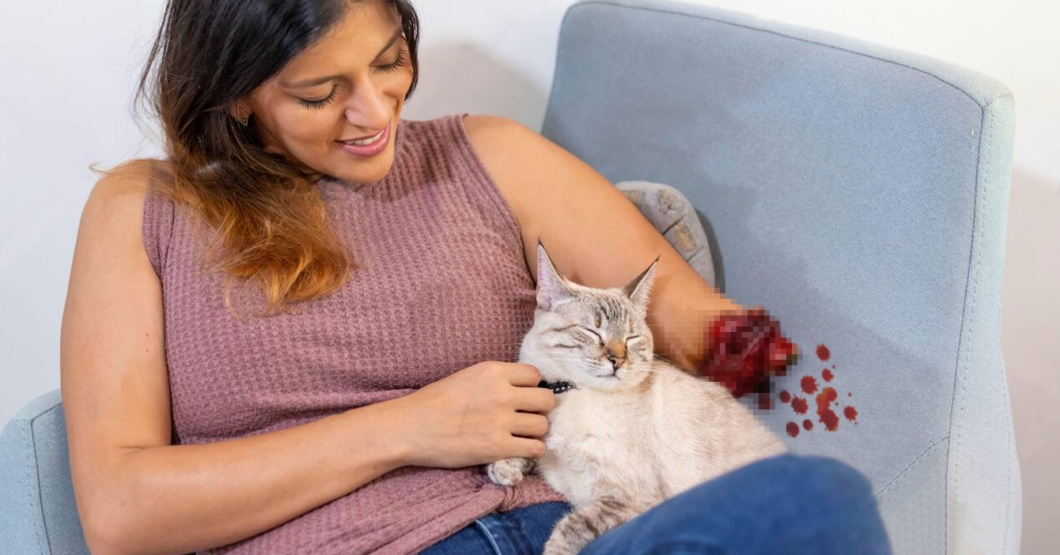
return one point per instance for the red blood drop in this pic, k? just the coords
(798, 404)
(823, 353)
(851, 413)
(848, 395)
(809, 385)
(827, 375)
(793, 429)
(785, 397)
(828, 418)
(764, 402)
(807, 424)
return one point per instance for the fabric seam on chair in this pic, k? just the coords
(779, 34)
(907, 467)
(31, 457)
(1008, 474)
(40, 492)
(963, 341)
(975, 248)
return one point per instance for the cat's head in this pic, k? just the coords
(594, 338)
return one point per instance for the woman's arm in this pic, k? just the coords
(594, 234)
(137, 493)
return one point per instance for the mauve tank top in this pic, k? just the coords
(442, 285)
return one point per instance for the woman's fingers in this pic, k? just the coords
(535, 399)
(526, 375)
(528, 448)
(530, 425)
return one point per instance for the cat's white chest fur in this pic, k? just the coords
(595, 443)
(648, 446)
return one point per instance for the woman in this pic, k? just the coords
(292, 334)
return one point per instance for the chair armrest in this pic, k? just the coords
(38, 513)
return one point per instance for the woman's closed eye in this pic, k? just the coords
(321, 102)
(396, 64)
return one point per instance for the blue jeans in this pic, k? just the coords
(787, 504)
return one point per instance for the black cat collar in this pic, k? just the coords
(557, 387)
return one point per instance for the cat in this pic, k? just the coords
(629, 430)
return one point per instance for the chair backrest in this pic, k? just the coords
(860, 194)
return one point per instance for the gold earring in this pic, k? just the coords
(243, 116)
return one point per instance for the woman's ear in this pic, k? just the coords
(240, 111)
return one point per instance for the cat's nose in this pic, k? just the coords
(616, 362)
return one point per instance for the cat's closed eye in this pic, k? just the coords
(594, 334)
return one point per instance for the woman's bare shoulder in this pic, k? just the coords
(117, 198)
(130, 178)
(112, 217)
(501, 144)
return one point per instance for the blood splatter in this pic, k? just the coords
(764, 401)
(824, 400)
(809, 385)
(828, 418)
(851, 413)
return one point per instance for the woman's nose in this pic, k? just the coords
(368, 108)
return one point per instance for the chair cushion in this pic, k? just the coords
(676, 219)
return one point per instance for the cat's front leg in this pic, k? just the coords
(579, 527)
(508, 472)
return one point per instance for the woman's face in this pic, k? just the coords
(351, 84)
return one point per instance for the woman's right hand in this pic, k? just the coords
(481, 414)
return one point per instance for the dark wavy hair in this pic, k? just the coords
(271, 226)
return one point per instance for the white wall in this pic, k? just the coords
(67, 70)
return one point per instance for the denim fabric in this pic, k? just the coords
(788, 504)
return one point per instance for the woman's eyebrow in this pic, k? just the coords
(321, 80)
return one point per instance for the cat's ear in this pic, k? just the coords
(551, 286)
(639, 289)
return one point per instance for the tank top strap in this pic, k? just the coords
(478, 182)
(157, 228)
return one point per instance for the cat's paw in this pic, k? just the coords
(508, 472)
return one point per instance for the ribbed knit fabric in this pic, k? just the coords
(442, 286)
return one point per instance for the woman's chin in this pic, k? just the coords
(362, 177)
(371, 170)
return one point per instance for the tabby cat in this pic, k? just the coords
(629, 430)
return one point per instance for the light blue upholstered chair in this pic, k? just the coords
(858, 192)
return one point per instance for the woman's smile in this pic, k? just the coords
(367, 147)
